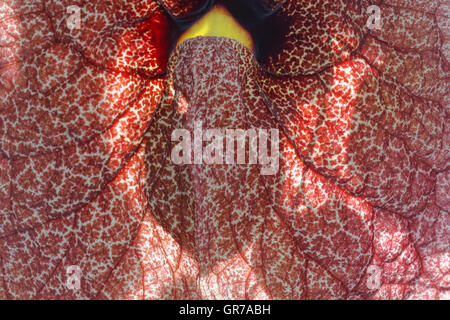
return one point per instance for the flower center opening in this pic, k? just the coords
(218, 22)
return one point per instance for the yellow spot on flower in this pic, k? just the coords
(218, 22)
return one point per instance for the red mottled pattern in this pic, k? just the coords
(227, 212)
(86, 178)
(74, 108)
(319, 34)
(180, 8)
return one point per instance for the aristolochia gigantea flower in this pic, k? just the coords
(93, 206)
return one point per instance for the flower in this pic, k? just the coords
(358, 209)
